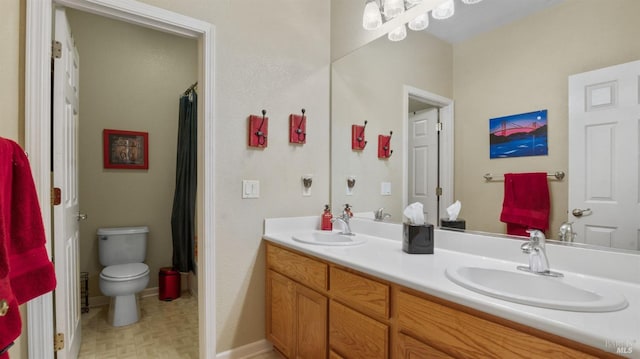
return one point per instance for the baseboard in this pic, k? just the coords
(247, 351)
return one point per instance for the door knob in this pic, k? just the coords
(579, 212)
(82, 216)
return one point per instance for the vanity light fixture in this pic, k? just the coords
(444, 11)
(398, 34)
(419, 22)
(377, 12)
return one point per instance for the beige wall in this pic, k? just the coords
(131, 78)
(11, 55)
(270, 55)
(276, 60)
(521, 68)
(368, 85)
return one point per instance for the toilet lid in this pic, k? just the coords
(125, 271)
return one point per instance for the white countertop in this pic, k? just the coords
(383, 257)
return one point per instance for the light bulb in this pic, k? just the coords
(471, 2)
(420, 22)
(371, 19)
(398, 34)
(443, 11)
(393, 8)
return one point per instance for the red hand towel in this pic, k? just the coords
(526, 202)
(25, 269)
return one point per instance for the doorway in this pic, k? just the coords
(38, 142)
(434, 150)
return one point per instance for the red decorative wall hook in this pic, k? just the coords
(384, 146)
(357, 137)
(298, 128)
(258, 130)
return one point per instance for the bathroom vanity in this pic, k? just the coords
(372, 300)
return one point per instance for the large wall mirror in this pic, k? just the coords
(520, 67)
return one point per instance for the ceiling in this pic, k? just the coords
(471, 20)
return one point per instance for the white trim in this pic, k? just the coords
(246, 351)
(37, 145)
(446, 142)
(37, 131)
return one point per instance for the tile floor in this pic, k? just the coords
(166, 330)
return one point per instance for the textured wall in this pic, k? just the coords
(524, 67)
(269, 55)
(368, 85)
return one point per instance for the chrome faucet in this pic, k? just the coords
(379, 215)
(344, 218)
(535, 248)
(566, 232)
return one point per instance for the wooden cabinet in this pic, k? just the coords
(296, 318)
(318, 309)
(311, 324)
(367, 295)
(409, 348)
(280, 299)
(354, 335)
(463, 335)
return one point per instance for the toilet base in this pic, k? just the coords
(123, 310)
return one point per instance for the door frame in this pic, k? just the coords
(38, 143)
(446, 142)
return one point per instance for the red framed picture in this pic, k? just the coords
(126, 149)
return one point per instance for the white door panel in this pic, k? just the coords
(65, 177)
(423, 162)
(604, 117)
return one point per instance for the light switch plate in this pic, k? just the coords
(250, 189)
(385, 188)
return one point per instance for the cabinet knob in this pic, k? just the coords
(4, 307)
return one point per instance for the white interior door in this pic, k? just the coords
(423, 162)
(604, 112)
(65, 177)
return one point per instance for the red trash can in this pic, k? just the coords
(169, 284)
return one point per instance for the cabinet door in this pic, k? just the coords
(311, 333)
(280, 307)
(356, 336)
(409, 348)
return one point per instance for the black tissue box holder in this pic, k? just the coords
(459, 224)
(417, 239)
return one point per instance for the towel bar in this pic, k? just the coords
(558, 175)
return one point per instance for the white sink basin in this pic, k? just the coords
(329, 239)
(534, 290)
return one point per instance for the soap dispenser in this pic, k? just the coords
(326, 224)
(347, 210)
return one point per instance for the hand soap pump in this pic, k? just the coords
(326, 224)
(347, 210)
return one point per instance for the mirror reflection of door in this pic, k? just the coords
(604, 198)
(423, 159)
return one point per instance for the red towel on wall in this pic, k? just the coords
(526, 202)
(25, 269)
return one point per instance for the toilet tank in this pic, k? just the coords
(121, 245)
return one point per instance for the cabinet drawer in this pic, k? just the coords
(409, 348)
(354, 335)
(303, 269)
(463, 335)
(365, 294)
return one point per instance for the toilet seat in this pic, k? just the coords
(124, 272)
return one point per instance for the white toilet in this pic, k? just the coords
(122, 251)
